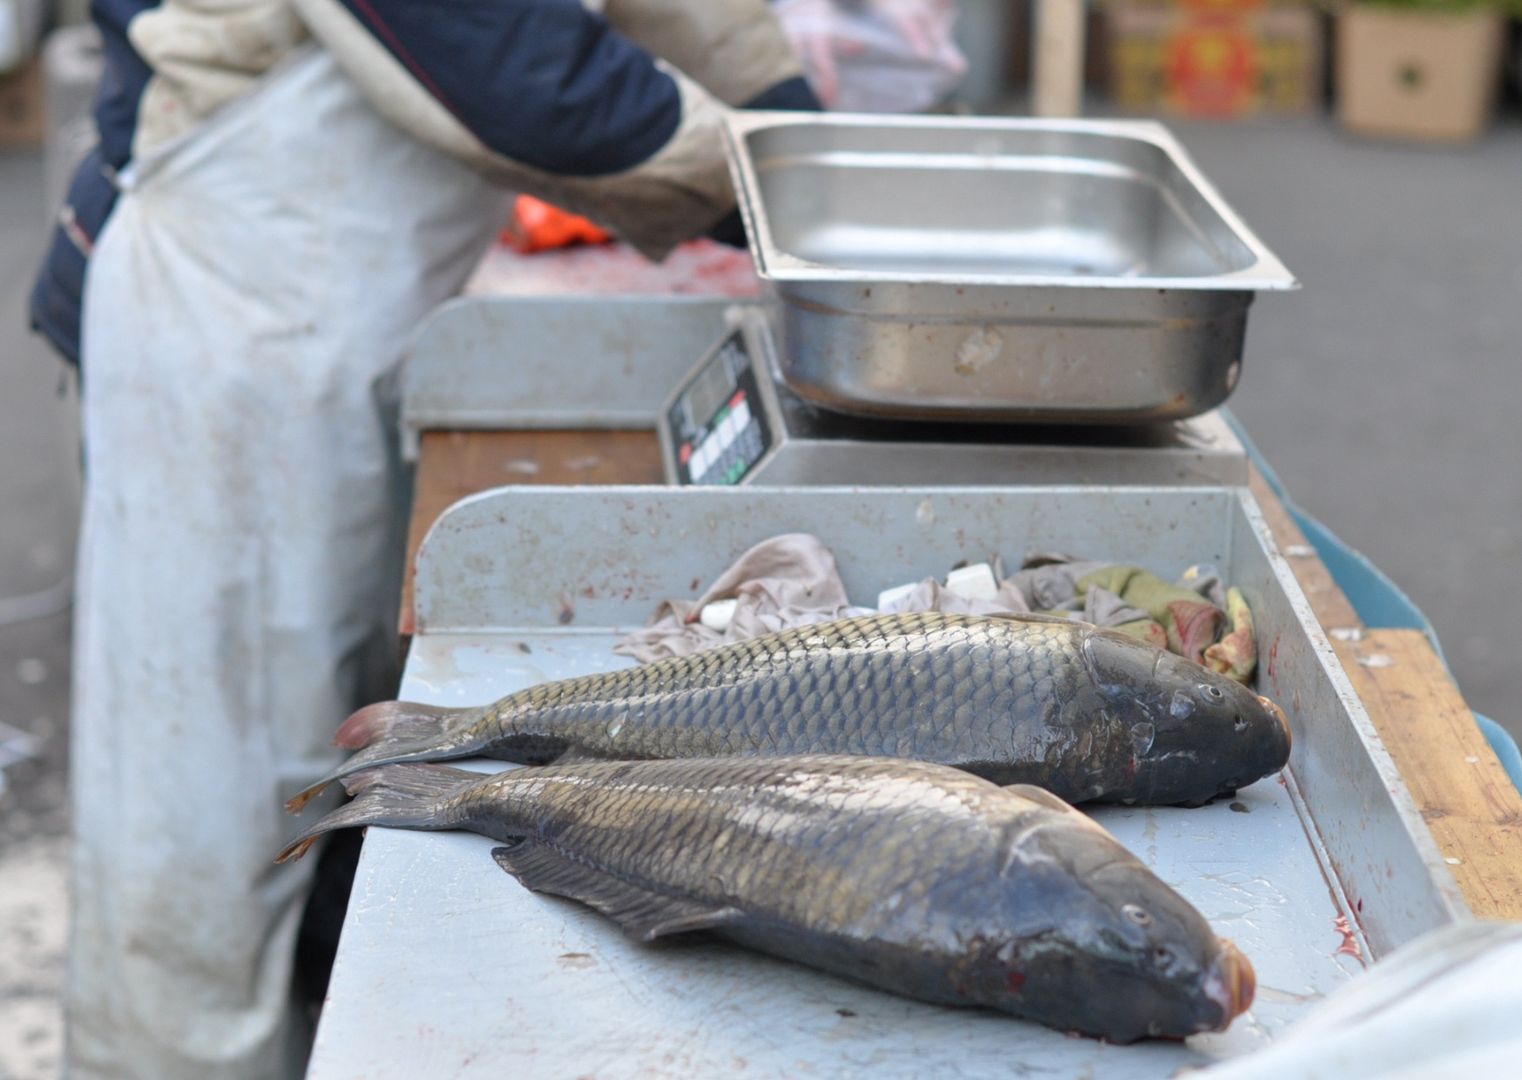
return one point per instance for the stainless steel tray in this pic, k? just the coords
(1077, 271)
(447, 967)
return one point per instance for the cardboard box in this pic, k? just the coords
(1221, 58)
(21, 108)
(1417, 74)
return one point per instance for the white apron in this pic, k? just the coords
(244, 314)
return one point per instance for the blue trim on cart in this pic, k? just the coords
(1378, 601)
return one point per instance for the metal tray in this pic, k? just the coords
(1077, 271)
(447, 967)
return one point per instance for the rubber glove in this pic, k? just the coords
(821, 32)
(813, 30)
(927, 26)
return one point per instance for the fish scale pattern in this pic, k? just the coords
(913, 877)
(823, 844)
(1086, 713)
(938, 686)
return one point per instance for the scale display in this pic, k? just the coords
(716, 432)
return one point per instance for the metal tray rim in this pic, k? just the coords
(1266, 274)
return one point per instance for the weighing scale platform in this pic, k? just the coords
(690, 367)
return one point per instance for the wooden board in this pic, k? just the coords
(1459, 786)
(1461, 789)
(454, 464)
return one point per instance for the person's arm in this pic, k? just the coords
(548, 98)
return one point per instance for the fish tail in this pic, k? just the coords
(393, 720)
(394, 732)
(396, 796)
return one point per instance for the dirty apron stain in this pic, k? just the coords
(244, 316)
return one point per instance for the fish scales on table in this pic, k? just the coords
(1087, 713)
(914, 878)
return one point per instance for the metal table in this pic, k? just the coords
(448, 968)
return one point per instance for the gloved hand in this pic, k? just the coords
(926, 25)
(812, 28)
(823, 32)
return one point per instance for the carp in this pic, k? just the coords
(1087, 713)
(914, 878)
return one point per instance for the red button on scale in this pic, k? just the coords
(734, 402)
(685, 453)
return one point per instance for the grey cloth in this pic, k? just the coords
(1045, 583)
(791, 580)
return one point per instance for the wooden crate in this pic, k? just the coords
(1222, 58)
(21, 106)
(1417, 74)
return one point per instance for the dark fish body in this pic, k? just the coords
(914, 878)
(1086, 713)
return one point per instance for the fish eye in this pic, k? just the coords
(1215, 693)
(1140, 916)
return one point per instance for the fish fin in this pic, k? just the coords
(643, 913)
(398, 796)
(389, 733)
(1030, 616)
(1045, 798)
(1037, 795)
(392, 720)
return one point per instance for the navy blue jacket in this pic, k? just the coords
(543, 82)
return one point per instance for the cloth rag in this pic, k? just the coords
(792, 580)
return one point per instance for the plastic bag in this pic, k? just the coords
(876, 55)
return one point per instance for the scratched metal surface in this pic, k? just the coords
(448, 968)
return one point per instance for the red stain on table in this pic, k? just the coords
(1349, 944)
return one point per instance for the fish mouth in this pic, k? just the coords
(1278, 714)
(1230, 985)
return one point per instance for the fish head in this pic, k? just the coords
(1118, 953)
(1185, 722)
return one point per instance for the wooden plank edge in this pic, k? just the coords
(1460, 787)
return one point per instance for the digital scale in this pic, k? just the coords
(733, 420)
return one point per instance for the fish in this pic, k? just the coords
(918, 879)
(1087, 713)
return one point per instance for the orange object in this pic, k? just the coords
(1213, 71)
(1220, 58)
(538, 226)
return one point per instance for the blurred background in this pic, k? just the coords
(1375, 147)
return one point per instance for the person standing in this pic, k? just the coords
(282, 190)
